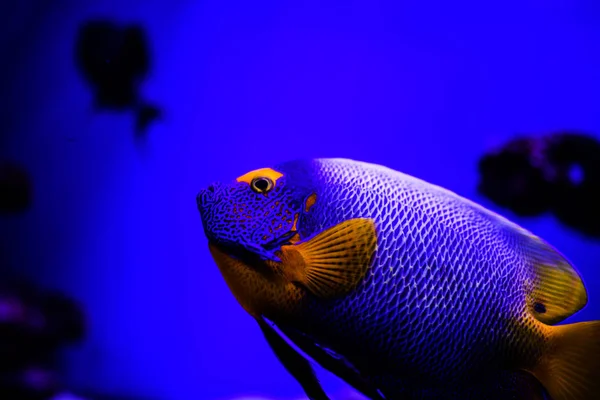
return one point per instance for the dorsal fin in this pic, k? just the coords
(556, 290)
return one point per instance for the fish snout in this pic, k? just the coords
(207, 196)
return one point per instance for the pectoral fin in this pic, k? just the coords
(334, 262)
(298, 366)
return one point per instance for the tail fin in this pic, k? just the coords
(571, 369)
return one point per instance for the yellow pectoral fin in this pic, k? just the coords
(334, 262)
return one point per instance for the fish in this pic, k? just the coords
(402, 288)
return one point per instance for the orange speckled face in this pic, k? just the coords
(256, 214)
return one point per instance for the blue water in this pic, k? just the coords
(422, 87)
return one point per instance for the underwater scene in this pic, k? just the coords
(322, 200)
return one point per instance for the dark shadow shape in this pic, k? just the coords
(34, 324)
(114, 60)
(558, 173)
(15, 189)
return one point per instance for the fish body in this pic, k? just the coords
(403, 288)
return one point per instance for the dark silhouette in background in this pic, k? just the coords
(114, 60)
(15, 188)
(34, 324)
(558, 173)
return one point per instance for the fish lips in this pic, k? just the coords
(253, 254)
(239, 254)
(249, 254)
(283, 240)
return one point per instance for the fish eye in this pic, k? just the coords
(261, 184)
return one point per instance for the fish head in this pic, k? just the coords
(267, 221)
(257, 213)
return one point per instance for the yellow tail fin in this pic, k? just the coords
(571, 368)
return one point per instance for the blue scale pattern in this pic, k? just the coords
(442, 303)
(441, 313)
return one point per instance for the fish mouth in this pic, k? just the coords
(225, 252)
(225, 260)
(254, 254)
(236, 251)
(283, 240)
(238, 255)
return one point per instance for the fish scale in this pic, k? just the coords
(400, 287)
(426, 243)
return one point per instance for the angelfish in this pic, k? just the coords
(402, 288)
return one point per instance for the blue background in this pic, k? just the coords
(425, 87)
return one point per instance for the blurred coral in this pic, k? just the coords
(114, 60)
(34, 324)
(559, 173)
(512, 178)
(15, 188)
(575, 159)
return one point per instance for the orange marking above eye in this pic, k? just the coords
(258, 173)
(310, 201)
